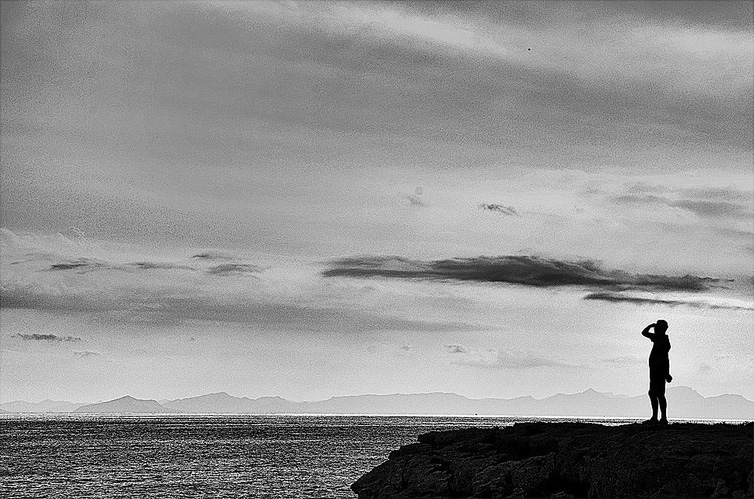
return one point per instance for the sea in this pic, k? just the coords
(254, 456)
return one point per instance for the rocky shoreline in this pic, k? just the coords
(570, 460)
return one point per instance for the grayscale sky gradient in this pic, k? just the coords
(310, 199)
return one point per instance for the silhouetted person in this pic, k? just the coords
(659, 370)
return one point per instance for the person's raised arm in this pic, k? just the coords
(647, 333)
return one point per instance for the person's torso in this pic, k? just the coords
(660, 349)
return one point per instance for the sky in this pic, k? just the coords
(313, 199)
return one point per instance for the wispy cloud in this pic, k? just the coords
(213, 255)
(86, 353)
(505, 210)
(415, 200)
(455, 348)
(231, 268)
(701, 207)
(730, 194)
(714, 208)
(146, 265)
(81, 265)
(523, 270)
(673, 302)
(46, 337)
(226, 269)
(162, 307)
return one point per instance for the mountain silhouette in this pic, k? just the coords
(686, 404)
(222, 403)
(124, 405)
(46, 405)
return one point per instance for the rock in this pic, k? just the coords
(562, 460)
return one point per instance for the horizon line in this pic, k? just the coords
(609, 394)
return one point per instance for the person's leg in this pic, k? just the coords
(654, 390)
(663, 401)
(663, 408)
(653, 399)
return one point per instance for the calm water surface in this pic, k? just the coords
(203, 456)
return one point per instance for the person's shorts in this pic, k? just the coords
(657, 386)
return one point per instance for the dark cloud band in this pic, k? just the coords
(83, 265)
(45, 337)
(523, 270)
(505, 210)
(637, 300)
(233, 269)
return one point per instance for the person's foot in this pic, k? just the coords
(663, 421)
(649, 421)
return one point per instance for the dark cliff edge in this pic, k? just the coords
(563, 460)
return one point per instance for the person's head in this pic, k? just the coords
(661, 326)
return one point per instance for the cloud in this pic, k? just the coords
(415, 201)
(500, 359)
(644, 300)
(703, 208)
(454, 348)
(174, 305)
(714, 203)
(227, 269)
(158, 291)
(45, 337)
(523, 270)
(317, 71)
(85, 353)
(505, 210)
(476, 64)
(713, 208)
(731, 194)
(81, 265)
(147, 265)
(212, 255)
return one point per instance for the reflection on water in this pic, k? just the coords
(210, 456)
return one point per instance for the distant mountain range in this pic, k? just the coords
(125, 404)
(44, 406)
(683, 402)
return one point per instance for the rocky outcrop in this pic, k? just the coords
(570, 460)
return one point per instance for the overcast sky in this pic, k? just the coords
(318, 199)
